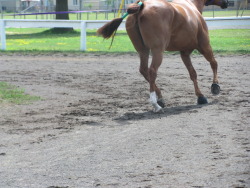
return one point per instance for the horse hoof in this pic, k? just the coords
(161, 103)
(202, 100)
(215, 89)
(157, 108)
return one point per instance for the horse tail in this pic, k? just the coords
(110, 28)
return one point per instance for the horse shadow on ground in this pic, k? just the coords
(167, 111)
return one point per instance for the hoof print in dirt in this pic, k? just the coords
(202, 100)
(215, 89)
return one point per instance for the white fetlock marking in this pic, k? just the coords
(153, 97)
(153, 100)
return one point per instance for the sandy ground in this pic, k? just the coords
(94, 126)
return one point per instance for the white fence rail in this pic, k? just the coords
(213, 23)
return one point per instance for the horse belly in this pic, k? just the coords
(181, 43)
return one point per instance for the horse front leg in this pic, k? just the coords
(193, 75)
(155, 93)
(208, 54)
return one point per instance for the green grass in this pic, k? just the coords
(230, 41)
(12, 94)
(40, 40)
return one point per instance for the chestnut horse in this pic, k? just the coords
(156, 26)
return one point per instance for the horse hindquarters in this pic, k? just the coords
(150, 31)
(135, 36)
(155, 32)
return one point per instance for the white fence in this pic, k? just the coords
(213, 23)
(83, 25)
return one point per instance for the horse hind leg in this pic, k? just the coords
(143, 51)
(150, 74)
(155, 92)
(193, 76)
(146, 72)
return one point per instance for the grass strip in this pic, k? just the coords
(12, 94)
(226, 41)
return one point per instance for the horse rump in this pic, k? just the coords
(135, 8)
(110, 28)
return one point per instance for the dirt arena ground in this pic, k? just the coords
(94, 126)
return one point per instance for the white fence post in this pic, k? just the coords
(2, 35)
(83, 36)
